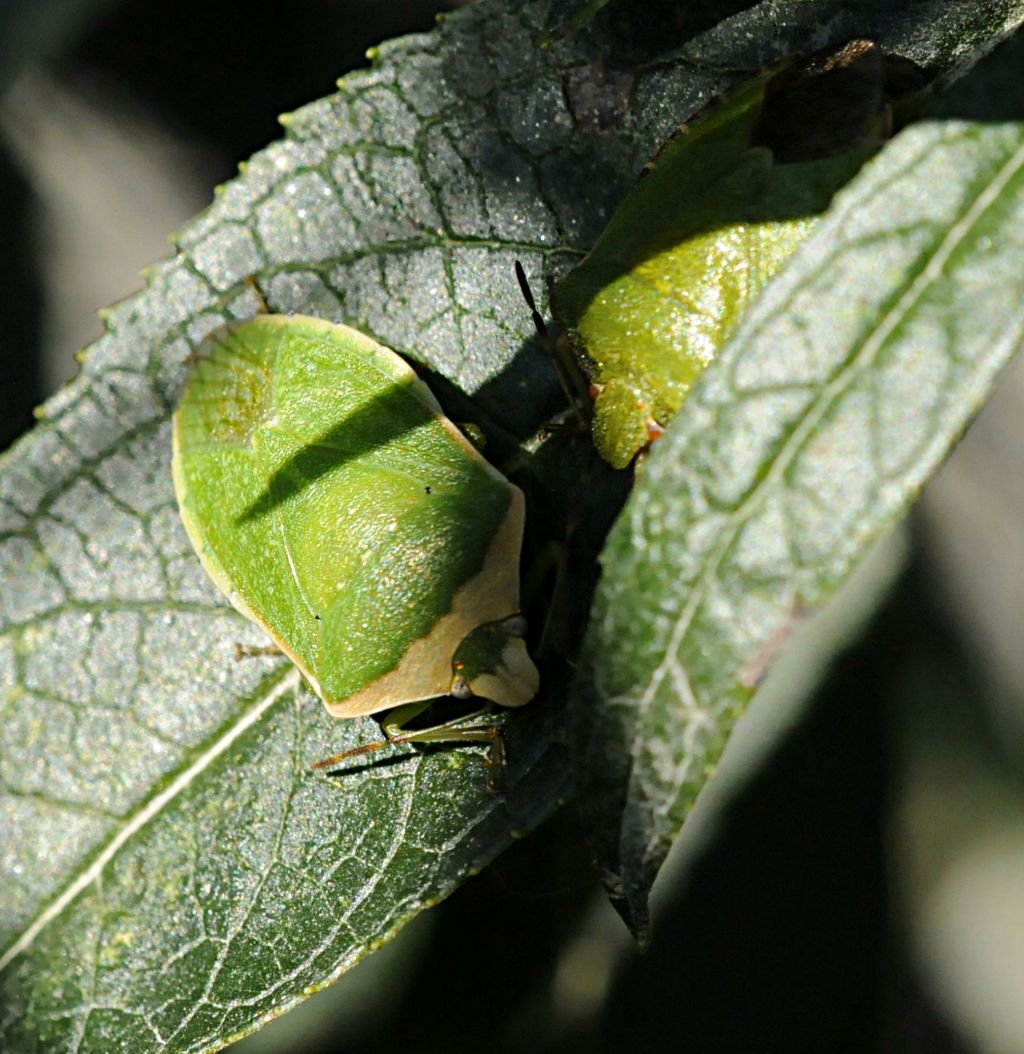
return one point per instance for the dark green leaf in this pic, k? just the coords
(172, 873)
(567, 16)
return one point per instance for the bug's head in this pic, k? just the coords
(492, 663)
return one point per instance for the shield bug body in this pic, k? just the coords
(334, 504)
(719, 210)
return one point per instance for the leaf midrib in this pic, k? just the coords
(150, 809)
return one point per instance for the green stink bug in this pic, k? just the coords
(721, 208)
(334, 504)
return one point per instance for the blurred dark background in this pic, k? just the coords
(853, 881)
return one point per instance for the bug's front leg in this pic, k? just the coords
(395, 732)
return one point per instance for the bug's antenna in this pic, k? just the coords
(538, 319)
(573, 383)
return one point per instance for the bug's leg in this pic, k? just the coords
(391, 726)
(449, 732)
(395, 732)
(255, 651)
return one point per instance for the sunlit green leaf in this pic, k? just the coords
(839, 395)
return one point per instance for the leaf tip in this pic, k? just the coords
(632, 907)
